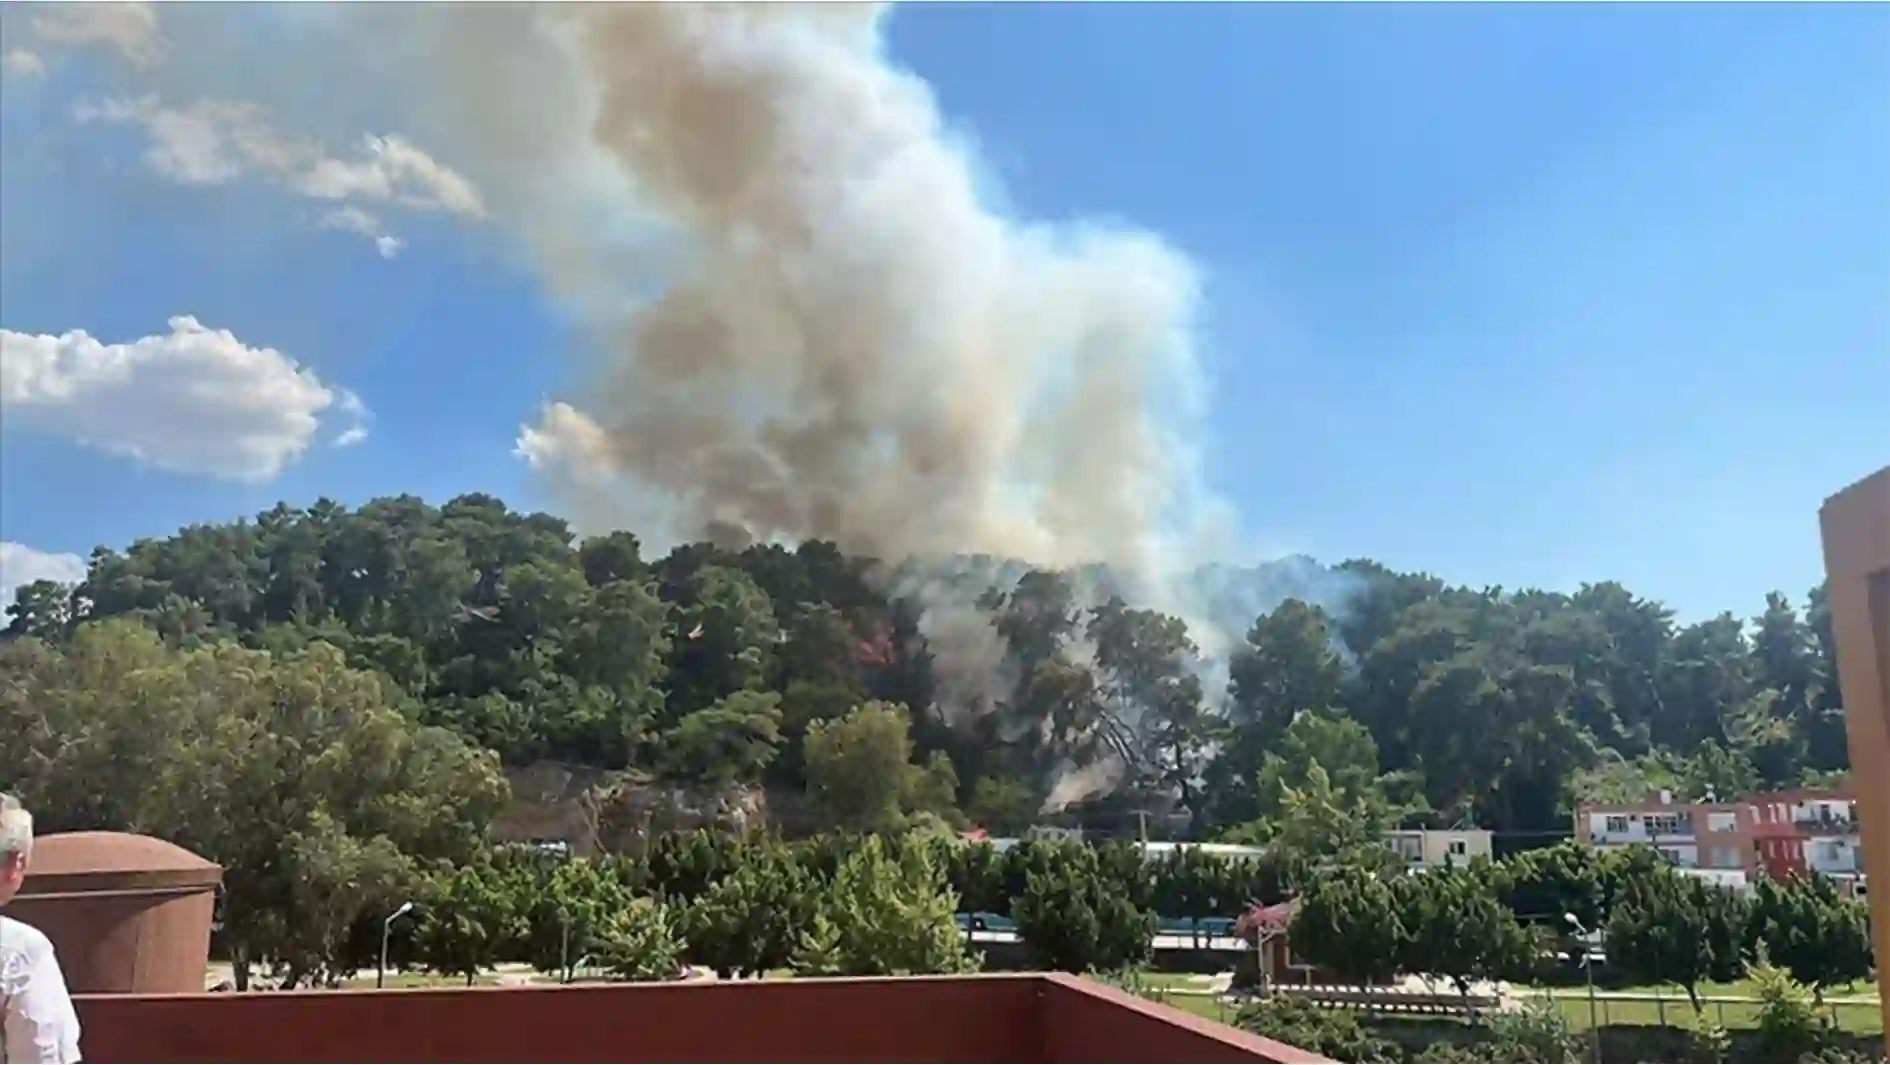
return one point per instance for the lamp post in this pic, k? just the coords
(564, 945)
(1588, 970)
(387, 929)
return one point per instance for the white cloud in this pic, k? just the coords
(358, 417)
(130, 29)
(568, 443)
(392, 170)
(366, 224)
(208, 143)
(196, 400)
(21, 565)
(20, 63)
(211, 142)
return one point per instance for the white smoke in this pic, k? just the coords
(811, 324)
(798, 314)
(829, 334)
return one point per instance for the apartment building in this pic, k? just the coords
(1425, 848)
(1713, 841)
(1809, 830)
(1776, 834)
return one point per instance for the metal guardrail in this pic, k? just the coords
(1391, 999)
(1213, 933)
(1167, 926)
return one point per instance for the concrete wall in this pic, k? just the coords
(981, 1020)
(1084, 1021)
(967, 1019)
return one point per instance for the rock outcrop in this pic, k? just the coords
(592, 810)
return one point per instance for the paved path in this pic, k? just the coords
(1580, 991)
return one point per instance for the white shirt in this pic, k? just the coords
(41, 1025)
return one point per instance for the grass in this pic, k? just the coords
(1855, 1018)
(1863, 989)
(1852, 1009)
(1171, 981)
(1850, 1014)
(419, 979)
(1207, 1007)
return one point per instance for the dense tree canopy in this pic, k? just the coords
(300, 775)
(1359, 695)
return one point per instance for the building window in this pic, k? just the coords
(1617, 823)
(1721, 822)
(1672, 854)
(1667, 824)
(1459, 847)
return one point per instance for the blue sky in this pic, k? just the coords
(1519, 295)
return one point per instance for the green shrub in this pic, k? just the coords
(1790, 1027)
(1077, 921)
(1333, 1033)
(639, 942)
(1535, 1033)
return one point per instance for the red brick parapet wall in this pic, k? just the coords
(996, 1018)
(1081, 1020)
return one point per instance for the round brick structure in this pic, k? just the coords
(127, 913)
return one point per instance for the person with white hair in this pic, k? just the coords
(40, 1023)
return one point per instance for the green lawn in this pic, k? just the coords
(1863, 989)
(1851, 1011)
(419, 979)
(1211, 1007)
(1166, 981)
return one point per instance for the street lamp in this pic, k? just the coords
(387, 929)
(1588, 970)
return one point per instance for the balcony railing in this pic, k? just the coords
(1837, 826)
(1848, 861)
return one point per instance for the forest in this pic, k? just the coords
(984, 693)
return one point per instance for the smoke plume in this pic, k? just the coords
(844, 339)
(798, 310)
(822, 326)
